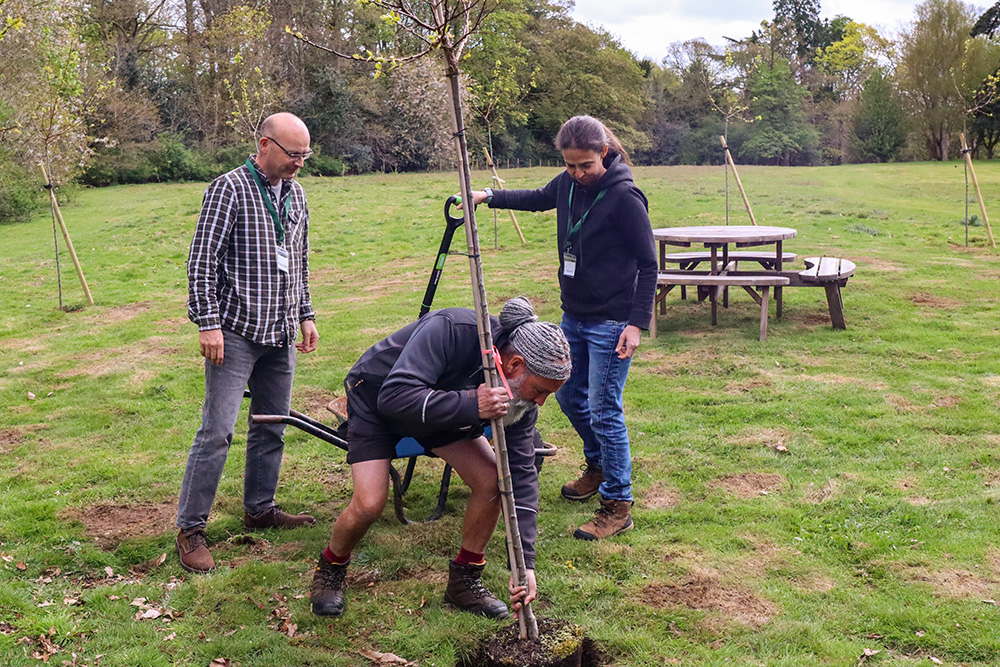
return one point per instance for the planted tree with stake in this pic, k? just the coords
(444, 28)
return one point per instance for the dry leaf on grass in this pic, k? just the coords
(387, 659)
(221, 662)
(868, 652)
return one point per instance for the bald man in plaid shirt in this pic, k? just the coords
(248, 283)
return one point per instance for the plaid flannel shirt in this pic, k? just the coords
(233, 276)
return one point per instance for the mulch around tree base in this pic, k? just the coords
(559, 644)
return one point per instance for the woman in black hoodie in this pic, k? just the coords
(607, 278)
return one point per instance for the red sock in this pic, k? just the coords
(334, 559)
(466, 557)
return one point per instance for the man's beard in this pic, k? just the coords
(518, 406)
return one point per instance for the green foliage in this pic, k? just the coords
(166, 159)
(781, 133)
(19, 189)
(880, 122)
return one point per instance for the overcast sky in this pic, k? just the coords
(648, 27)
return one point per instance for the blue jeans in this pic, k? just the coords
(267, 371)
(592, 400)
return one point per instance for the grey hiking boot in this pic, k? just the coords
(466, 591)
(612, 517)
(193, 551)
(587, 485)
(327, 591)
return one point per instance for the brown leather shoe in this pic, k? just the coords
(466, 591)
(327, 592)
(274, 517)
(612, 517)
(193, 551)
(587, 485)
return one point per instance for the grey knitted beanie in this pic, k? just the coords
(542, 344)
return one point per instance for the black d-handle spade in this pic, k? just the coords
(451, 224)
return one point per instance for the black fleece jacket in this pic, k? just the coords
(427, 374)
(615, 254)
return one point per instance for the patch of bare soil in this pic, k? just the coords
(993, 560)
(955, 583)
(751, 484)
(810, 319)
(703, 592)
(919, 501)
(906, 483)
(695, 360)
(660, 497)
(991, 477)
(110, 525)
(121, 313)
(946, 402)
(559, 644)
(138, 358)
(933, 301)
(745, 386)
(817, 495)
(25, 345)
(899, 404)
(10, 438)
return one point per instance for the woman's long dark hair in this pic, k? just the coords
(589, 134)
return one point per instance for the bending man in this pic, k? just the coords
(427, 381)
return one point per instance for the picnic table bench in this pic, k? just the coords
(666, 281)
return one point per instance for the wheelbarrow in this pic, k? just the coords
(407, 448)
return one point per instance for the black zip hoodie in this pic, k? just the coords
(423, 379)
(615, 255)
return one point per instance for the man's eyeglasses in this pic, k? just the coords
(294, 156)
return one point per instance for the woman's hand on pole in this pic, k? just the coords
(628, 342)
(522, 595)
(478, 197)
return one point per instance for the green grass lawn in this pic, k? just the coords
(878, 529)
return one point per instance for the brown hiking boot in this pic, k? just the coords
(587, 485)
(612, 517)
(193, 551)
(466, 591)
(327, 592)
(274, 517)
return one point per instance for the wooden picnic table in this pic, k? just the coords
(718, 239)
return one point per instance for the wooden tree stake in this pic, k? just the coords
(65, 233)
(979, 193)
(729, 159)
(526, 619)
(498, 183)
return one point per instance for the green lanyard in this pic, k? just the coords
(278, 229)
(574, 228)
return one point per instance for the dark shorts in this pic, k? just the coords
(372, 442)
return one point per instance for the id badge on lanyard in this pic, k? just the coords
(569, 265)
(282, 253)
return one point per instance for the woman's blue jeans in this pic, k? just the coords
(592, 400)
